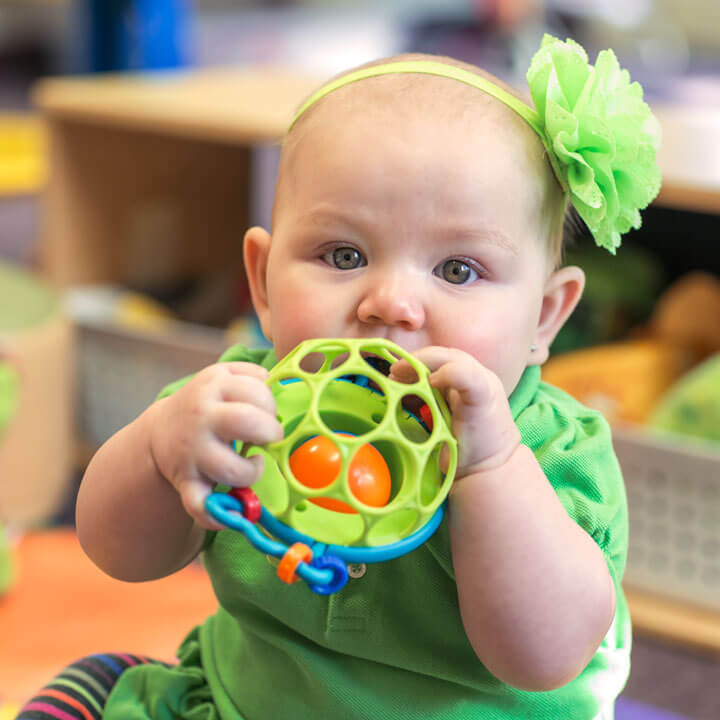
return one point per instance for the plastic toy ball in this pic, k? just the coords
(362, 471)
(318, 461)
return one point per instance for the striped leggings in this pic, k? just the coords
(80, 690)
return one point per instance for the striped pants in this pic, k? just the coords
(80, 690)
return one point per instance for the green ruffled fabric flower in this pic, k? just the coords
(604, 136)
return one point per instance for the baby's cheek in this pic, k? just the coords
(497, 348)
(297, 318)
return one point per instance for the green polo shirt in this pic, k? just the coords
(391, 644)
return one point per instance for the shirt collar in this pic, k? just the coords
(525, 390)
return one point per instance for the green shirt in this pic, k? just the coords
(391, 644)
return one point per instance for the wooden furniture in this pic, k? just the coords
(150, 175)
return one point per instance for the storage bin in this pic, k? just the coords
(36, 446)
(120, 370)
(673, 488)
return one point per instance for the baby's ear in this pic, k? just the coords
(256, 250)
(563, 291)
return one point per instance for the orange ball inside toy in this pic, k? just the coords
(317, 462)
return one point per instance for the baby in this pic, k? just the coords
(422, 201)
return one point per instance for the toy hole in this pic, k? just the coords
(292, 398)
(315, 461)
(393, 459)
(271, 488)
(313, 362)
(327, 526)
(329, 356)
(434, 474)
(409, 419)
(363, 381)
(396, 525)
(378, 363)
(337, 360)
(337, 421)
(377, 418)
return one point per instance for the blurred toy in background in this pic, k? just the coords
(8, 401)
(666, 375)
(116, 305)
(688, 314)
(624, 380)
(691, 407)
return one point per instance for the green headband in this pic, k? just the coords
(430, 67)
(600, 137)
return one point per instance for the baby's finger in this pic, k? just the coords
(470, 385)
(245, 368)
(221, 464)
(193, 495)
(435, 356)
(241, 421)
(247, 389)
(403, 372)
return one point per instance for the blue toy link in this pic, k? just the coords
(351, 401)
(327, 573)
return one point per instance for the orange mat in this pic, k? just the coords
(62, 607)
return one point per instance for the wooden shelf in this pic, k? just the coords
(242, 105)
(673, 621)
(166, 156)
(234, 105)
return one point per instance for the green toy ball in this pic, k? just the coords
(335, 389)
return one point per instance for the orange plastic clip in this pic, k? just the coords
(294, 555)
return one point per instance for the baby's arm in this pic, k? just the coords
(535, 593)
(140, 509)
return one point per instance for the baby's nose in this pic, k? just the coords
(392, 303)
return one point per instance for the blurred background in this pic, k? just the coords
(139, 139)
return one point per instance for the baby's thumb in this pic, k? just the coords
(259, 462)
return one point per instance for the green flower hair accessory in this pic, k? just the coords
(601, 136)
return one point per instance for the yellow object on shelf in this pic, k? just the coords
(623, 380)
(8, 712)
(134, 310)
(23, 154)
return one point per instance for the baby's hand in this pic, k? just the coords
(194, 428)
(481, 419)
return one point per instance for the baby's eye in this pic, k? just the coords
(456, 271)
(344, 258)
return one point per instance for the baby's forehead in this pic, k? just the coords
(413, 108)
(405, 97)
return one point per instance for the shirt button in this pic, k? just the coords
(357, 570)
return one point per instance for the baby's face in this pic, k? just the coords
(422, 233)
